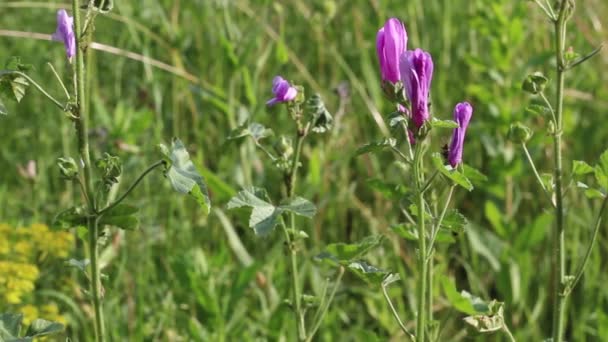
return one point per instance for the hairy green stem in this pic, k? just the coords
(81, 123)
(581, 268)
(396, 314)
(132, 187)
(559, 253)
(291, 185)
(508, 332)
(422, 253)
(536, 174)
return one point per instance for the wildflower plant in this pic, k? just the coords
(412, 126)
(556, 185)
(309, 117)
(95, 178)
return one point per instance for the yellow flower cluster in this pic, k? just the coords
(22, 250)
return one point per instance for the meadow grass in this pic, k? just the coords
(185, 277)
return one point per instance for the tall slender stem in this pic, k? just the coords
(559, 256)
(326, 305)
(396, 314)
(81, 122)
(291, 185)
(422, 253)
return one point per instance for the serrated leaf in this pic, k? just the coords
(437, 123)
(300, 206)
(322, 120)
(254, 130)
(368, 273)
(537, 109)
(79, 264)
(19, 85)
(376, 146)
(453, 174)
(390, 278)
(10, 324)
(488, 323)
(183, 176)
(454, 221)
(463, 301)
(264, 215)
(69, 218)
(42, 327)
(580, 168)
(345, 253)
(396, 118)
(121, 216)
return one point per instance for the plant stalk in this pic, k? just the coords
(422, 253)
(81, 124)
(291, 184)
(559, 253)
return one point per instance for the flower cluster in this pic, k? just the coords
(23, 253)
(414, 70)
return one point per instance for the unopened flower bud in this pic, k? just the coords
(519, 133)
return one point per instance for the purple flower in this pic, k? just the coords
(416, 73)
(391, 42)
(65, 33)
(462, 115)
(283, 91)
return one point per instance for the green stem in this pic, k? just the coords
(581, 268)
(396, 315)
(559, 253)
(291, 185)
(323, 311)
(438, 224)
(35, 84)
(422, 253)
(508, 332)
(538, 178)
(93, 224)
(132, 187)
(83, 149)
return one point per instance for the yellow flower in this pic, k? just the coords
(30, 313)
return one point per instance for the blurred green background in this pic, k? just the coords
(204, 66)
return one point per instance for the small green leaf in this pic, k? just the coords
(345, 252)
(594, 193)
(463, 302)
(376, 146)
(451, 173)
(121, 216)
(390, 278)
(370, 274)
(264, 215)
(406, 231)
(437, 123)
(580, 168)
(254, 130)
(300, 206)
(321, 118)
(488, 323)
(10, 325)
(79, 264)
(42, 327)
(69, 218)
(182, 174)
(454, 221)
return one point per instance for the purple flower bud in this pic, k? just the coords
(65, 33)
(416, 73)
(283, 91)
(462, 115)
(391, 42)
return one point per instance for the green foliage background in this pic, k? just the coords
(186, 277)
